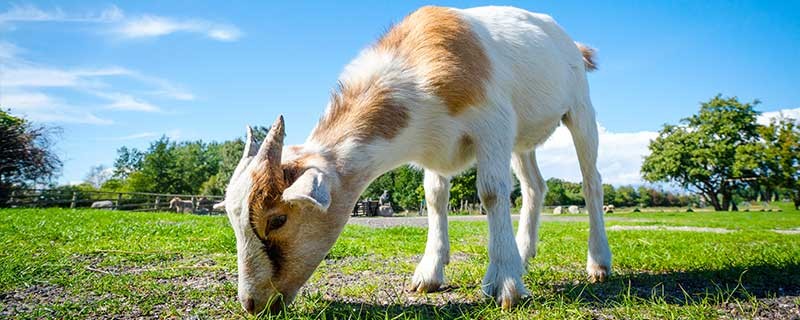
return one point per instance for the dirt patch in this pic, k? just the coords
(669, 228)
(29, 299)
(382, 285)
(786, 307)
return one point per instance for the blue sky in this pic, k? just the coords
(123, 73)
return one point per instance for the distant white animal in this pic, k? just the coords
(102, 204)
(181, 206)
(558, 210)
(574, 209)
(443, 89)
(608, 209)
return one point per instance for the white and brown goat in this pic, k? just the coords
(458, 87)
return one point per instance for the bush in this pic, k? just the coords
(637, 210)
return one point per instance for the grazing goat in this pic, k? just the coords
(443, 89)
(181, 206)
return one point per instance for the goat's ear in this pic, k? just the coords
(310, 190)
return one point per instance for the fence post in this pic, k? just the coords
(119, 198)
(74, 197)
(155, 207)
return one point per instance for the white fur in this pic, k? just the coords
(538, 79)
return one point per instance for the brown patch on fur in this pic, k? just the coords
(362, 111)
(465, 146)
(588, 56)
(449, 53)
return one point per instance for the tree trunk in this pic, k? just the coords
(711, 197)
(726, 200)
(797, 199)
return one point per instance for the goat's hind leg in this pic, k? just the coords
(533, 191)
(429, 275)
(581, 123)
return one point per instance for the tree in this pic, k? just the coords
(776, 160)
(230, 152)
(404, 184)
(701, 153)
(127, 162)
(26, 155)
(97, 176)
(463, 187)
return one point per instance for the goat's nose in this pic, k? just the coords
(249, 305)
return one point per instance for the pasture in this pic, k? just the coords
(62, 263)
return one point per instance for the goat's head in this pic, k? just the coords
(174, 202)
(279, 213)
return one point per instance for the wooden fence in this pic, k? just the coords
(133, 201)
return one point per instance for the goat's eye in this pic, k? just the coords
(276, 222)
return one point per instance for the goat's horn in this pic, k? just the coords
(270, 150)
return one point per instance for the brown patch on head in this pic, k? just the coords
(444, 47)
(364, 111)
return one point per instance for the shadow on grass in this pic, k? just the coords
(689, 287)
(675, 288)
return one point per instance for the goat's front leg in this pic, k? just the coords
(503, 279)
(429, 275)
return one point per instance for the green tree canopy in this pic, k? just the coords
(701, 153)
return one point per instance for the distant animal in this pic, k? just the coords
(181, 206)
(573, 209)
(558, 210)
(443, 89)
(608, 209)
(205, 204)
(102, 204)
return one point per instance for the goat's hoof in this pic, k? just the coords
(598, 273)
(507, 290)
(424, 286)
(428, 277)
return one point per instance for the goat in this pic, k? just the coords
(181, 206)
(444, 89)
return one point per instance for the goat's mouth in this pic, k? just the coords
(274, 305)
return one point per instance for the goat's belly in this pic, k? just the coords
(531, 136)
(449, 157)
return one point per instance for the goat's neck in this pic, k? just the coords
(355, 164)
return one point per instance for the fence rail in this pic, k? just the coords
(134, 201)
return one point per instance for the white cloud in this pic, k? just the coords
(765, 117)
(172, 134)
(144, 26)
(126, 102)
(8, 50)
(38, 106)
(22, 83)
(156, 26)
(31, 13)
(620, 156)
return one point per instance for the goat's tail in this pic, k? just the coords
(588, 56)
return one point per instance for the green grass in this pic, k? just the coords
(81, 263)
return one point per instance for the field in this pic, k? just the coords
(65, 263)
